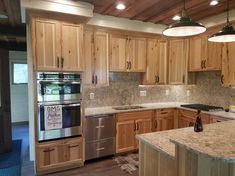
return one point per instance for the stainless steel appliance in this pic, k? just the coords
(59, 90)
(99, 136)
(203, 107)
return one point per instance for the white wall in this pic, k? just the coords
(19, 93)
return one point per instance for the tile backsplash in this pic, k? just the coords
(124, 88)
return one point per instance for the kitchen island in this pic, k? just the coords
(182, 152)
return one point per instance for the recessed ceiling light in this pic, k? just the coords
(120, 6)
(176, 17)
(3, 16)
(214, 2)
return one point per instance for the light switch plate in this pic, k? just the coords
(188, 93)
(92, 96)
(143, 93)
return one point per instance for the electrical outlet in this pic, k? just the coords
(143, 93)
(92, 96)
(188, 93)
(167, 92)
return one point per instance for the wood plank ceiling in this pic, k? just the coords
(159, 11)
(12, 31)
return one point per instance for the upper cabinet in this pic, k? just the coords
(228, 65)
(128, 54)
(156, 69)
(204, 55)
(57, 45)
(96, 54)
(178, 56)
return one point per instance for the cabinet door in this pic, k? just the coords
(163, 120)
(228, 65)
(149, 77)
(137, 54)
(72, 151)
(186, 118)
(162, 62)
(47, 45)
(197, 53)
(47, 157)
(178, 55)
(117, 62)
(125, 136)
(101, 58)
(214, 56)
(88, 78)
(72, 42)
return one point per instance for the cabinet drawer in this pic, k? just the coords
(99, 127)
(164, 113)
(133, 115)
(99, 148)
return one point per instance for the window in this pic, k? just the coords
(20, 73)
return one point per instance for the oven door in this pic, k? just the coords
(58, 90)
(71, 122)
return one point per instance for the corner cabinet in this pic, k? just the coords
(178, 59)
(228, 65)
(156, 70)
(57, 46)
(128, 125)
(128, 54)
(59, 155)
(204, 55)
(96, 53)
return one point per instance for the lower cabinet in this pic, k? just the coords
(59, 155)
(216, 119)
(163, 119)
(128, 125)
(187, 118)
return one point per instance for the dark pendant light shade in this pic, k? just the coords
(227, 34)
(184, 27)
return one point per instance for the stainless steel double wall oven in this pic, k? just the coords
(63, 90)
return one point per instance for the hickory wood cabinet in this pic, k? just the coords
(127, 54)
(96, 52)
(204, 55)
(178, 59)
(57, 45)
(128, 125)
(156, 68)
(57, 155)
(164, 119)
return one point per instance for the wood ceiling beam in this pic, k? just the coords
(13, 11)
(8, 30)
(13, 45)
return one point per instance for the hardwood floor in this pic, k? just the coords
(104, 167)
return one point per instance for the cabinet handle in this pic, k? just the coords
(164, 112)
(130, 65)
(127, 65)
(101, 126)
(93, 79)
(183, 79)
(73, 146)
(96, 79)
(137, 126)
(49, 150)
(222, 79)
(202, 64)
(58, 62)
(99, 149)
(62, 62)
(155, 124)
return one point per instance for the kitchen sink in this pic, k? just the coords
(125, 107)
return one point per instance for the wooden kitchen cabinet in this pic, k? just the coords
(128, 125)
(128, 54)
(204, 55)
(228, 65)
(156, 70)
(187, 118)
(56, 155)
(96, 54)
(163, 119)
(178, 57)
(216, 119)
(57, 45)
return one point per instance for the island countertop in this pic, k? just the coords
(217, 140)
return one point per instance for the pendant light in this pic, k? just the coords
(184, 27)
(227, 34)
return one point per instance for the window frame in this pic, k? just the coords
(12, 72)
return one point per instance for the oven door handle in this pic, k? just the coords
(59, 82)
(70, 105)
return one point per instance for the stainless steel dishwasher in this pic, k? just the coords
(99, 136)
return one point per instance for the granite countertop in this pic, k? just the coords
(216, 141)
(151, 106)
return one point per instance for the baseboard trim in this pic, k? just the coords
(20, 123)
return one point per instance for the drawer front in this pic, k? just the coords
(100, 148)
(97, 128)
(127, 116)
(164, 113)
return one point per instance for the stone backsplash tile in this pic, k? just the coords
(124, 89)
